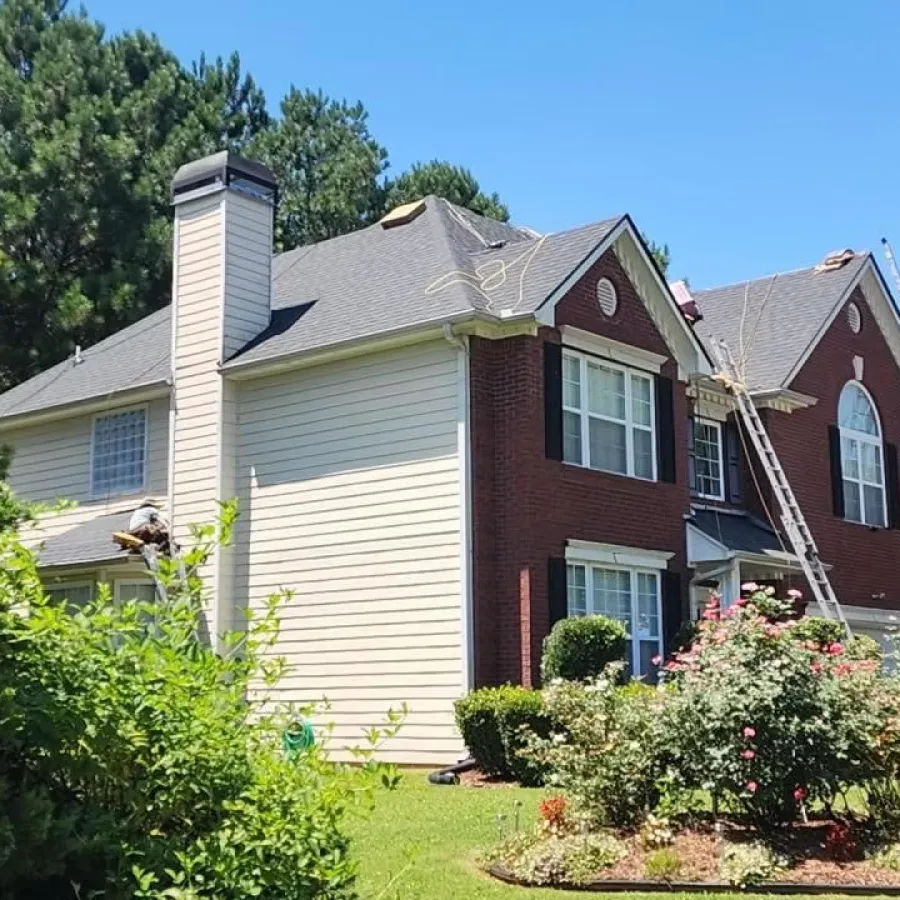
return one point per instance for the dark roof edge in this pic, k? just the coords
(133, 394)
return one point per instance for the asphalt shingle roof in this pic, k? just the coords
(435, 268)
(89, 542)
(739, 531)
(769, 323)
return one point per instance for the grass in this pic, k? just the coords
(430, 837)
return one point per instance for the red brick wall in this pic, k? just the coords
(865, 561)
(526, 506)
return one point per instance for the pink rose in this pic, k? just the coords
(799, 794)
(749, 587)
(836, 649)
(748, 754)
(656, 660)
(749, 732)
(794, 594)
(742, 601)
(752, 786)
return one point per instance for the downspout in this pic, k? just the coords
(173, 395)
(464, 453)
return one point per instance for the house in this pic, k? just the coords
(445, 433)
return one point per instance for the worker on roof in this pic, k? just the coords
(146, 526)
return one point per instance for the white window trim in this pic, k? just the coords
(585, 416)
(633, 572)
(143, 407)
(862, 437)
(718, 429)
(615, 351)
(616, 555)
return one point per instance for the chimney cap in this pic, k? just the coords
(225, 169)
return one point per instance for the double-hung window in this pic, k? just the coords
(708, 464)
(630, 595)
(119, 453)
(862, 457)
(609, 417)
(75, 594)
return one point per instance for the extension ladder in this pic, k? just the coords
(791, 516)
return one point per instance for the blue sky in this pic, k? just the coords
(750, 136)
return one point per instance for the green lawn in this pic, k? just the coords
(442, 829)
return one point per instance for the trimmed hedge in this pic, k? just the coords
(582, 647)
(490, 721)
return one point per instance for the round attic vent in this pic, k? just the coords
(854, 318)
(606, 296)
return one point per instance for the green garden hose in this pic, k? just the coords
(299, 737)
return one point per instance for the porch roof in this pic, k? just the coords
(738, 531)
(88, 542)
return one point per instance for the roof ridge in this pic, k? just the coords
(721, 287)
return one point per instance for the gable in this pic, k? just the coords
(648, 316)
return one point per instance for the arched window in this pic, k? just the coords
(862, 456)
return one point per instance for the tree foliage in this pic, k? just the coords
(92, 129)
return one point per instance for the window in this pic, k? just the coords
(609, 419)
(862, 457)
(76, 594)
(119, 453)
(630, 595)
(142, 591)
(708, 465)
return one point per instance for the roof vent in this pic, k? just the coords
(403, 215)
(837, 259)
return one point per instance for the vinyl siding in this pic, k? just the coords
(348, 478)
(53, 460)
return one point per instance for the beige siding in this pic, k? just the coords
(198, 317)
(349, 483)
(53, 460)
(248, 270)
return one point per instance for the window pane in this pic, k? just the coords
(575, 590)
(849, 457)
(606, 391)
(77, 597)
(874, 500)
(612, 595)
(143, 593)
(608, 449)
(852, 510)
(643, 453)
(870, 457)
(647, 606)
(707, 465)
(572, 437)
(641, 402)
(118, 453)
(856, 412)
(572, 382)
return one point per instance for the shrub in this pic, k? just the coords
(747, 864)
(605, 752)
(581, 647)
(539, 858)
(888, 857)
(764, 719)
(663, 864)
(133, 765)
(491, 722)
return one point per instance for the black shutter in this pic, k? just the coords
(692, 456)
(556, 584)
(553, 413)
(731, 453)
(837, 480)
(893, 485)
(665, 428)
(671, 607)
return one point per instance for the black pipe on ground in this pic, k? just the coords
(451, 774)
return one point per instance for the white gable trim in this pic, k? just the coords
(624, 239)
(606, 347)
(616, 555)
(880, 304)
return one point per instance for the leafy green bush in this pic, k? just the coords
(888, 857)
(663, 864)
(763, 715)
(819, 631)
(539, 857)
(606, 750)
(133, 765)
(581, 647)
(491, 722)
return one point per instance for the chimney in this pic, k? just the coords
(221, 299)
